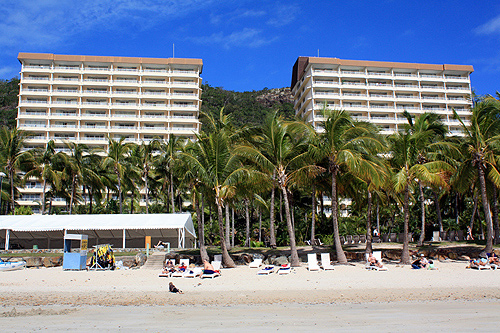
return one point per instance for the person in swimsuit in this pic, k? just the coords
(174, 289)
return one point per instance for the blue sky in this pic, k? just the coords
(249, 45)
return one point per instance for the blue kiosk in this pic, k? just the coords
(76, 260)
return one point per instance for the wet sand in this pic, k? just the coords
(349, 297)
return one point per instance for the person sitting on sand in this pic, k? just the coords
(421, 262)
(373, 261)
(174, 289)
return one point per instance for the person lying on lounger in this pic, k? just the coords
(476, 263)
(493, 259)
(161, 245)
(182, 267)
(169, 267)
(373, 261)
(174, 289)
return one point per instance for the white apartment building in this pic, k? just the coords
(84, 99)
(379, 92)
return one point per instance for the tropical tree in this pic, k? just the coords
(13, 155)
(409, 169)
(116, 158)
(480, 144)
(345, 144)
(280, 152)
(212, 162)
(43, 168)
(166, 164)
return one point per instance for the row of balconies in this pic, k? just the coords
(80, 93)
(117, 82)
(393, 86)
(163, 106)
(101, 115)
(389, 97)
(363, 74)
(400, 108)
(81, 69)
(393, 119)
(96, 128)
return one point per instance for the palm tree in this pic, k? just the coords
(408, 169)
(167, 163)
(280, 151)
(116, 159)
(43, 168)
(481, 141)
(145, 160)
(427, 135)
(12, 155)
(345, 144)
(212, 162)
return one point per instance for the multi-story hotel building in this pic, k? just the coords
(84, 99)
(379, 92)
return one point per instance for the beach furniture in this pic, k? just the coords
(179, 273)
(378, 256)
(348, 239)
(268, 269)
(216, 265)
(342, 240)
(435, 236)
(218, 257)
(325, 261)
(393, 238)
(312, 262)
(193, 272)
(355, 239)
(284, 269)
(256, 263)
(362, 239)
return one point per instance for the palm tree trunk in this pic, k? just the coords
(272, 231)
(422, 216)
(405, 255)
(474, 210)
(73, 190)
(291, 232)
(119, 190)
(233, 233)
(313, 215)
(378, 216)
(321, 207)
(91, 197)
(487, 213)
(341, 258)
(12, 202)
(281, 207)
(369, 223)
(172, 192)
(260, 226)
(147, 193)
(43, 195)
(438, 211)
(228, 242)
(247, 220)
(495, 215)
(132, 202)
(201, 230)
(226, 258)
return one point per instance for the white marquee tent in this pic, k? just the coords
(120, 230)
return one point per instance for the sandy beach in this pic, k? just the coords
(52, 298)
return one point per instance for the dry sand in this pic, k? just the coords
(348, 297)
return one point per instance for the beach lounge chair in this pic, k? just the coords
(378, 256)
(355, 239)
(256, 263)
(179, 273)
(312, 262)
(216, 265)
(326, 264)
(218, 257)
(167, 274)
(193, 272)
(348, 239)
(435, 236)
(268, 269)
(284, 269)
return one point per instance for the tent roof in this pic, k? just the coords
(97, 222)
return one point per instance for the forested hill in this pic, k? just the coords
(8, 102)
(247, 108)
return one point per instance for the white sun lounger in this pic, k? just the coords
(193, 272)
(179, 273)
(326, 263)
(284, 269)
(312, 262)
(169, 274)
(216, 265)
(218, 257)
(256, 263)
(378, 256)
(268, 269)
